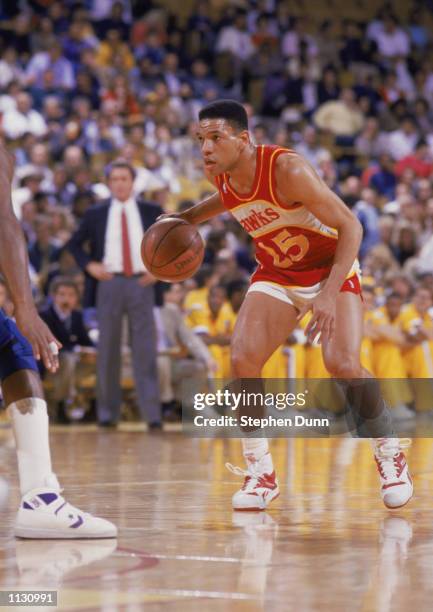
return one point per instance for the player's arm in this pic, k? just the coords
(204, 210)
(298, 182)
(14, 268)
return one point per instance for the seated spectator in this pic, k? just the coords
(309, 146)
(45, 251)
(327, 87)
(392, 41)
(405, 245)
(236, 292)
(65, 320)
(366, 211)
(182, 355)
(235, 38)
(10, 68)
(420, 161)
(23, 119)
(383, 179)
(116, 20)
(297, 41)
(112, 49)
(215, 323)
(371, 142)
(54, 61)
(341, 117)
(417, 325)
(402, 142)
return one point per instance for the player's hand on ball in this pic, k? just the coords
(323, 320)
(98, 270)
(44, 344)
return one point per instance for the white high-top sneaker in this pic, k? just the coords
(395, 480)
(45, 514)
(260, 485)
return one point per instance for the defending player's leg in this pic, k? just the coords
(263, 324)
(43, 513)
(342, 358)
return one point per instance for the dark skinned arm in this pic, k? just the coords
(298, 182)
(203, 211)
(14, 268)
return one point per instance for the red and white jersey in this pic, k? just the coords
(293, 247)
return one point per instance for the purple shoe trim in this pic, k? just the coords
(48, 498)
(60, 507)
(78, 523)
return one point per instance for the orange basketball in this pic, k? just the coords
(172, 250)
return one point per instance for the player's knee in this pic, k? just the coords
(344, 366)
(245, 360)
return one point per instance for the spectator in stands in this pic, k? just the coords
(45, 250)
(392, 41)
(23, 119)
(420, 161)
(383, 179)
(54, 61)
(402, 142)
(65, 320)
(366, 211)
(309, 146)
(236, 291)
(183, 357)
(235, 38)
(341, 117)
(215, 323)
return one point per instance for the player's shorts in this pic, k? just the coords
(299, 296)
(15, 351)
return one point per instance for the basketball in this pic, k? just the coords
(172, 250)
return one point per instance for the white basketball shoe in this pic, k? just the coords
(260, 485)
(45, 514)
(395, 480)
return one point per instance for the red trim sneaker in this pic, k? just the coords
(259, 488)
(395, 480)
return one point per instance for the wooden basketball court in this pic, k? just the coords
(326, 544)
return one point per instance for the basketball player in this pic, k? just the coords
(306, 243)
(43, 513)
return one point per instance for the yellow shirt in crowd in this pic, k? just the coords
(201, 320)
(419, 358)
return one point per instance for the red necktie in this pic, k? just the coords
(126, 247)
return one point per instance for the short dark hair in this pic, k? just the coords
(63, 281)
(393, 296)
(230, 110)
(120, 163)
(234, 286)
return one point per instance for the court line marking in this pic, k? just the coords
(146, 482)
(182, 557)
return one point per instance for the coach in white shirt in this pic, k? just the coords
(107, 247)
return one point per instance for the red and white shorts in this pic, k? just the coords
(299, 296)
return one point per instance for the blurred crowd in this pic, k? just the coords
(85, 82)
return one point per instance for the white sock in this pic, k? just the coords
(257, 449)
(33, 447)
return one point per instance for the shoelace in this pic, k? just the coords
(386, 452)
(389, 447)
(251, 471)
(250, 474)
